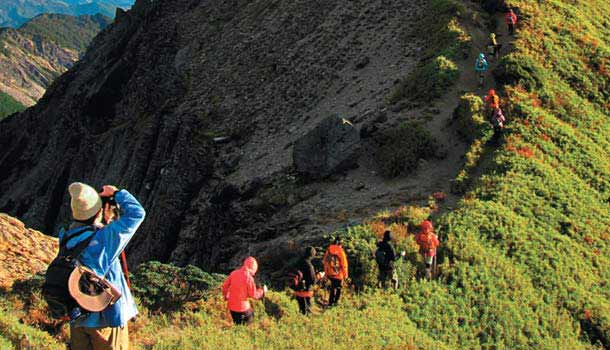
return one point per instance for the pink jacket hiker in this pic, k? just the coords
(239, 286)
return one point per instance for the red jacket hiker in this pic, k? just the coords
(426, 239)
(510, 18)
(492, 99)
(239, 286)
(335, 249)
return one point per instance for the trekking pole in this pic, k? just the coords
(125, 269)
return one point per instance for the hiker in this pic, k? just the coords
(428, 242)
(492, 101)
(103, 244)
(385, 256)
(335, 268)
(494, 47)
(511, 21)
(238, 287)
(307, 278)
(498, 120)
(480, 66)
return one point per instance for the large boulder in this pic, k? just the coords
(332, 146)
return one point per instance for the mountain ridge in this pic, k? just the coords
(15, 13)
(32, 56)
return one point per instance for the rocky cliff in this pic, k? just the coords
(194, 106)
(32, 56)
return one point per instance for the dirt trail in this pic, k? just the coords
(338, 200)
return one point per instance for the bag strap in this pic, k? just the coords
(77, 250)
(79, 232)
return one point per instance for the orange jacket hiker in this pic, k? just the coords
(492, 99)
(239, 286)
(335, 262)
(426, 239)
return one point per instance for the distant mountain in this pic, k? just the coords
(14, 13)
(32, 56)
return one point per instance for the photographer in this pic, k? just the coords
(105, 330)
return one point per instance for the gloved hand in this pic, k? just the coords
(265, 289)
(403, 253)
(108, 191)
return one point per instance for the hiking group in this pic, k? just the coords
(481, 65)
(87, 283)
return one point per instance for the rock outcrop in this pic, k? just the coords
(330, 147)
(23, 251)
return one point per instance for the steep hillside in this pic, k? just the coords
(14, 13)
(32, 56)
(23, 251)
(195, 108)
(8, 105)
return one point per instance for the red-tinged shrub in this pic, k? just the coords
(525, 152)
(378, 227)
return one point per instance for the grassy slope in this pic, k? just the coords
(8, 105)
(530, 242)
(66, 31)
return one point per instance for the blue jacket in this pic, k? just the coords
(481, 65)
(102, 256)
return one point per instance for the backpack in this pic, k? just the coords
(296, 281)
(334, 263)
(55, 288)
(381, 258)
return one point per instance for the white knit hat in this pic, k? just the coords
(85, 201)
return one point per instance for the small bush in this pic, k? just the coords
(470, 117)
(162, 287)
(516, 69)
(400, 149)
(427, 81)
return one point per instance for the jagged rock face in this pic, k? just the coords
(143, 107)
(329, 148)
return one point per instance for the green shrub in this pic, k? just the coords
(518, 69)
(162, 287)
(400, 149)
(427, 81)
(470, 117)
(446, 40)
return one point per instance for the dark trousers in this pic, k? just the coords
(304, 305)
(242, 317)
(385, 275)
(334, 291)
(511, 28)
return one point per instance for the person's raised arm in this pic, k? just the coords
(114, 237)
